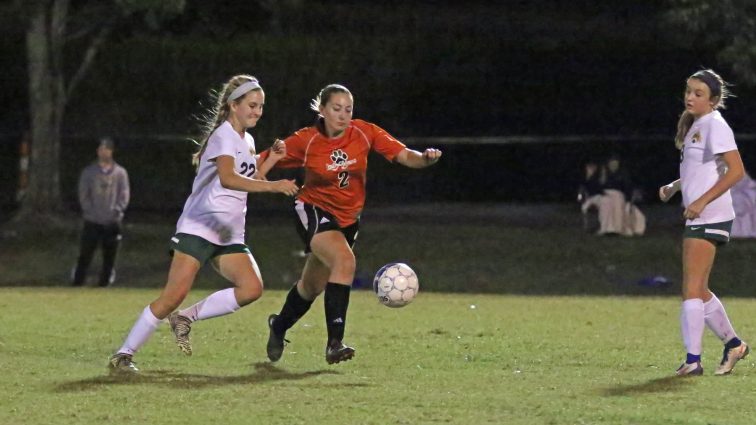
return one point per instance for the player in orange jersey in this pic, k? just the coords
(334, 154)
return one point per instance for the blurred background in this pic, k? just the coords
(518, 94)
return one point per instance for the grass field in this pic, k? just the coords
(446, 358)
(522, 318)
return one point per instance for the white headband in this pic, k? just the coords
(243, 89)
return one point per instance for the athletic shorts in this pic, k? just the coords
(719, 233)
(202, 249)
(312, 220)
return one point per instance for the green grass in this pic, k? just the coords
(547, 326)
(445, 358)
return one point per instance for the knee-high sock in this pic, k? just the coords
(336, 303)
(692, 325)
(717, 320)
(141, 332)
(293, 309)
(216, 304)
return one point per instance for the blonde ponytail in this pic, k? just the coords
(214, 117)
(683, 125)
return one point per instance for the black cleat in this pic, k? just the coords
(275, 342)
(121, 363)
(181, 326)
(337, 352)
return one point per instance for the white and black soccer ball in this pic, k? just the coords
(396, 285)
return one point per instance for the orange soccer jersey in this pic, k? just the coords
(336, 169)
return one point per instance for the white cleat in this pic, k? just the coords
(730, 357)
(690, 369)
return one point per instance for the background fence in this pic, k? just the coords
(489, 169)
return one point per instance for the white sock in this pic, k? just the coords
(216, 304)
(717, 320)
(692, 324)
(141, 331)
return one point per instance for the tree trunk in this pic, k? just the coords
(49, 92)
(47, 103)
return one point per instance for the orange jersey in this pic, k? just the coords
(336, 169)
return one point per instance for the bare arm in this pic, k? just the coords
(414, 159)
(669, 190)
(735, 172)
(230, 179)
(277, 151)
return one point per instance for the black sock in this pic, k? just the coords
(293, 309)
(734, 342)
(336, 303)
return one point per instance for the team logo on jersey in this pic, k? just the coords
(696, 137)
(340, 161)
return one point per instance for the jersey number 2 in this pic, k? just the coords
(343, 179)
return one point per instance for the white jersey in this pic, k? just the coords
(702, 166)
(213, 212)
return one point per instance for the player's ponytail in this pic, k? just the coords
(215, 116)
(683, 125)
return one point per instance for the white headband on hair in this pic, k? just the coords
(243, 89)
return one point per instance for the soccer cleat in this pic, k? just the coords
(690, 369)
(104, 283)
(276, 342)
(181, 326)
(730, 357)
(121, 363)
(337, 352)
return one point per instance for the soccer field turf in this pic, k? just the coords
(445, 358)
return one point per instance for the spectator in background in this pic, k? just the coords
(103, 197)
(589, 192)
(744, 204)
(618, 215)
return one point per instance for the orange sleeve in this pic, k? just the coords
(381, 141)
(296, 144)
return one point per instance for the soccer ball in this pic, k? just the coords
(396, 285)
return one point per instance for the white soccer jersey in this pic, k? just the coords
(213, 212)
(702, 166)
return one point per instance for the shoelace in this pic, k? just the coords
(125, 360)
(183, 329)
(182, 326)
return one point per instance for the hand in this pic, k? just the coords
(666, 192)
(431, 155)
(278, 150)
(694, 210)
(287, 187)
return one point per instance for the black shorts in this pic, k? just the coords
(202, 249)
(718, 233)
(312, 220)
